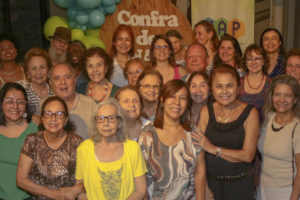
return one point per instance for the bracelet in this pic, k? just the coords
(219, 152)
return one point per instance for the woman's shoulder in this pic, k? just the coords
(82, 88)
(86, 144)
(75, 137)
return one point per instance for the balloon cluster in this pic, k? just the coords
(87, 14)
(84, 19)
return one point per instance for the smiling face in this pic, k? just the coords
(175, 105)
(130, 103)
(196, 59)
(54, 123)
(8, 51)
(293, 67)
(106, 128)
(176, 44)
(133, 72)
(283, 99)
(254, 62)
(161, 50)
(37, 70)
(123, 43)
(96, 68)
(149, 88)
(63, 82)
(201, 35)
(271, 42)
(225, 88)
(199, 89)
(75, 53)
(227, 52)
(14, 105)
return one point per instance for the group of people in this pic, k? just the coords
(205, 121)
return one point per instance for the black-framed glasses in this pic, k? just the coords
(58, 114)
(110, 118)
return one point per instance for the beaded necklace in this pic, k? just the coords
(90, 89)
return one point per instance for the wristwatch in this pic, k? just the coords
(219, 151)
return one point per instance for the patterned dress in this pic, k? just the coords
(171, 167)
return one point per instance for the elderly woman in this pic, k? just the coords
(228, 132)
(36, 66)
(110, 165)
(15, 125)
(205, 34)
(149, 85)
(162, 58)
(9, 71)
(279, 142)
(255, 84)
(121, 51)
(292, 63)
(47, 162)
(199, 93)
(98, 68)
(271, 41)
(179, 49)
(229, 52)
(176, 166)
(133, 69)
(131, 104)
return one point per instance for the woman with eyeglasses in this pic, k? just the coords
(176, 166)
(15, 125)
(254, 86)
(47, 162)
(162, 58)
(133, 69)
(110, 165)
(149, 85)
(271, 41)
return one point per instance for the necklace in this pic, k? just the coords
(90, 89)
(10, 73)
(254, 88)
(276, 129)
(225, 119)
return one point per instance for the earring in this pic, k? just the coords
(24, 115)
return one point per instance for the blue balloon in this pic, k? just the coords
(72, 23)
(63, 3)
(107, 3)
(101, 9)
(71, 12)
(110, 9)
(117, 1)
(96, 18)
(84, 27)
(81, 18)
(87, 4)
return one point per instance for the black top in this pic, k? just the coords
(226, 135)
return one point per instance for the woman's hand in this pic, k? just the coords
(202, 141)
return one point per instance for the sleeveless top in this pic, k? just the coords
(176, 73)
(258, 99)
(231, 136)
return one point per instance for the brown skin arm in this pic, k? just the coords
(296, 187)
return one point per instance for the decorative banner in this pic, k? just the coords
(235, 17)
(146, 18)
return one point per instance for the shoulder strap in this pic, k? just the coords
(293, 153)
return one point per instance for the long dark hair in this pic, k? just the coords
(13, 86)
(281, 48)
(168, 90)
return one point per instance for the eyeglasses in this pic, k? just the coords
(257, 59)
(164, 47)
(137, 72)
(110, 118)
(148, 87)
(11, 101)
(58, 114)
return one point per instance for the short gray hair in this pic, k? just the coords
(122, 126)
(71, 68)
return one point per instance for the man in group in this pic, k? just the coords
(196, 59)
(80, 107)
(59, 44)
